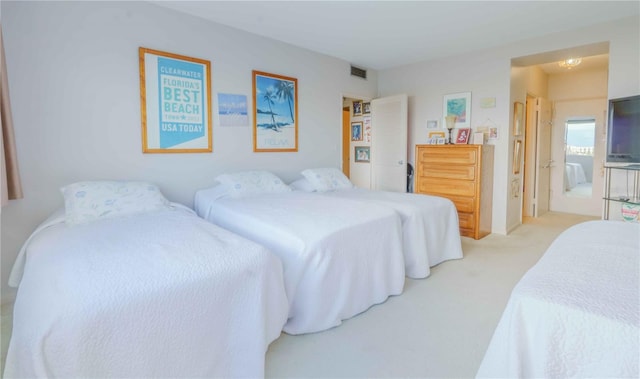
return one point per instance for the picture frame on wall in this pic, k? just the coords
(357, 108)
(275, 113)
(356, 131)
(366, 108)
(517, 156)
(362, 154)
(175, 103)
(518, 118)
(459, 105)
(436, 134)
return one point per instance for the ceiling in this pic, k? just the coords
(384, 34)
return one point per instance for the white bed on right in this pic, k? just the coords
(576, 312)
(430, 227)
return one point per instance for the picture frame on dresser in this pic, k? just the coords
(462, 136)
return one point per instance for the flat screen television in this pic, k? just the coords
(623, 134)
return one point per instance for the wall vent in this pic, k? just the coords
(359, 72)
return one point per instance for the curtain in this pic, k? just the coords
(11, 186)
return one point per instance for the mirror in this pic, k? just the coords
(578, 157)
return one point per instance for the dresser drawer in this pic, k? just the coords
(465, 232)
(448, 171)
(458, 155)
(467, 220)
(446, 187)
(462, 203)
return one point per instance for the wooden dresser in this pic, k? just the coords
(463, 174)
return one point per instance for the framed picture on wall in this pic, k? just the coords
(175, 99)
(357, 108)
(517, 156)
(518, 118)
(366, 108)
(275, 113)
(356, 131)
(362, 153)
(459, 105)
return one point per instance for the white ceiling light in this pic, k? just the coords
(570, 63)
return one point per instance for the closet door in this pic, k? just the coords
(389, 143)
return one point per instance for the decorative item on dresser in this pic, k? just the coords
(463, 174)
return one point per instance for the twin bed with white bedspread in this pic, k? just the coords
(161, 293)
(576, 313)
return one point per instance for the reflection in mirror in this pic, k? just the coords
(579, 142)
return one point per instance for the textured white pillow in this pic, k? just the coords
(302, 185)
(90, 201)
(249, 183)
(327, 179)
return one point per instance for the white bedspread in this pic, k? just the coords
(162, 294)
(430, 228)
(339, 257)
(576, 312)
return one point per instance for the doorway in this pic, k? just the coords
(578, 94)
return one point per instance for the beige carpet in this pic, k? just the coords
(439, 327)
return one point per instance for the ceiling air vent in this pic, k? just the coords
(359, 72)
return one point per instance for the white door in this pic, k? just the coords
(543, 157)
(389, 143)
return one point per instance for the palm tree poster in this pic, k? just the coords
(275, 112)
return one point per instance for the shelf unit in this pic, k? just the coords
(632, 195)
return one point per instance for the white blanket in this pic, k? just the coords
(576, 312)
(339, 257)
(161, 294)
(430, 228)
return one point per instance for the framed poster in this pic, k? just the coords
(275, 112)
(459, 105)
(175, 103)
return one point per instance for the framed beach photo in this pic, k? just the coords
(356, 131)
(459, 105)
(362, 153)
(275, 113)
(175, 103)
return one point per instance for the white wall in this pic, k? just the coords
(74, 82)
(487, 73)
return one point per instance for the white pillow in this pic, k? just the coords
(90, 201)
(327, 179)
(302, 185)
(249, 183)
